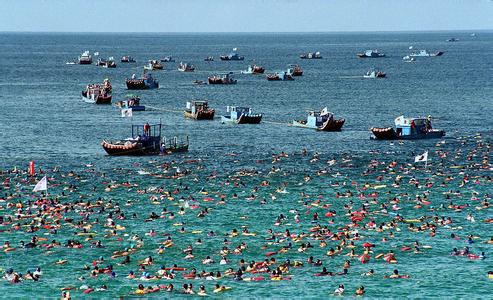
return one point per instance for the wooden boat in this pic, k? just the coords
(132, 101)
(407, 129)
(145, 140)
(311, 55)
(232, 56)
(144, 83)
(199, 110)
(85, 58)
(127, 59)
(226, 78)
(98, 94)
(254, 69)
(320, 120)
(153, 65)
(278, 76)
(241, 115)
(185, 67)
(370, 54)
(295, 70)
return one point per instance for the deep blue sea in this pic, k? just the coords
(44, 119)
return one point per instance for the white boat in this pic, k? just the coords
(424, 53)
(374, 74)
(409, 59)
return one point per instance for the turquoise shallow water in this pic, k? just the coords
(44, 120)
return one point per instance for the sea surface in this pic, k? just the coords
(44, 119)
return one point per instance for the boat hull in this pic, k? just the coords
(140, 84)
(389, 133)
(201, 115)
(329, 125)
(131, 149)
(98, 100)
(249, 119)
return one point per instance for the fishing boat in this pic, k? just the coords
(295, 70)
(424, 53)
(408, 59)
(199, 110)
(254, 69)
(132, 101)
(110, 63)
(374, 74)
(153, 65)
(241, 115)
(168, 59)
(408, 129)
(145, 140)
(100, 62)
(232, 56)
(279, 76)
(311, 55)
(85, 58)
(320, 120)
(209, 58)
(226, 78)
(127, 59)
(185, 67)
(370, 54)
(98, 94)
(143, 83)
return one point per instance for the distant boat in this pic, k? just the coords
(184, 67)
(153, 65)
(85, 58)
(168, 59)
(132, 101)
(241, 115)
(254, 69)
(424, 53)
(209, 58)
(199, 110)
(98, 94)
(371, 54)
(408, 129)
(279, 76)
(232, 56)
(127, 59)
(320, 120)
(408, 59)
(144, 83)
(226, 78)
(473, 34)
(452, 40)
(374, 74)
(295, 70)
(311, 55)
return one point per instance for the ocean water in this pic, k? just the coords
(44, 119)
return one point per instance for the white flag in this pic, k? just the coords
(126, 112)
(422, 157)
(42, 185)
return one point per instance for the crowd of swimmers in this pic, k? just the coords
(352, 223)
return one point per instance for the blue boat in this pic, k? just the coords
(408, 129)
(132, 101)
(232, 56)
(143, 83)
(241, 115)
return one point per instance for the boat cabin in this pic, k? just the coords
(237, 111)
(197, 105)
(317, 118)
(411, 126)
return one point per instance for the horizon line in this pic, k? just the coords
(254, 32)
